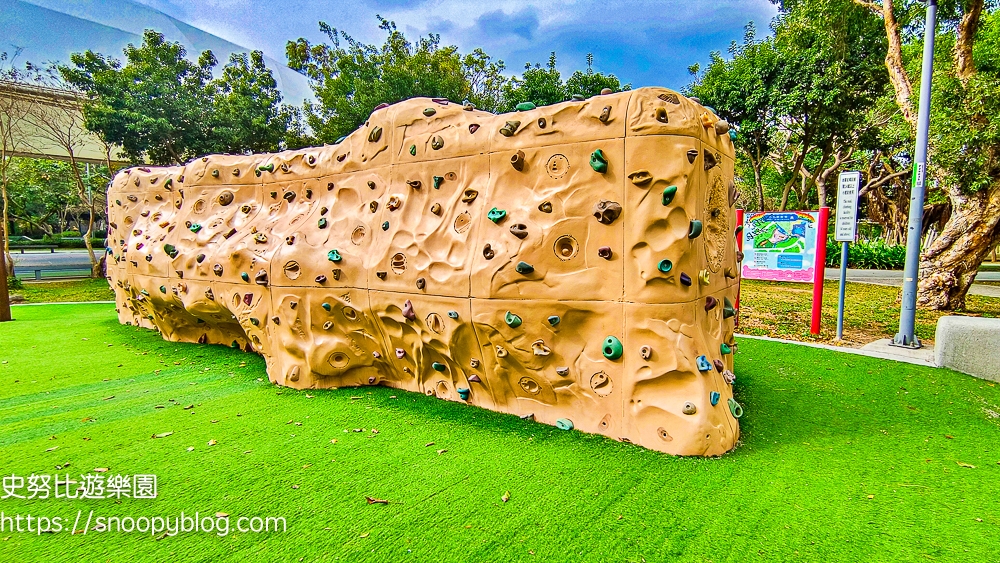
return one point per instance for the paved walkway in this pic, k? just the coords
(895, 278)
(878, 349)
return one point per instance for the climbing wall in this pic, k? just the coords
(574, 263)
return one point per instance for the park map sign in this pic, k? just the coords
(780, 246)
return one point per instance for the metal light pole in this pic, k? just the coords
(905, 336)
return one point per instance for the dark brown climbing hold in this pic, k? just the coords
(336, 274)
(519, 230)
(209, 295)
(381, 275)
(661, 115)
(607, 211)
(200, 258)
(672, 98)
(436, 209)
(375, 134)
(437, 142)
(488, 252)
(274, 195)
(341, 157)
(290, 240)
(541, 123)
(415, 184)
(721, 127)
(288, 196)
(276, 320)
(517, 161)
(605, 114)
(408, 310)
(321, 279)
(394, 203)
(421, 283)
(604, 252)
(730, 273)
(710, 160)
(293, 304)
(226, 197)
(710, 303)
(323, 210)
(739, 256)
(230, 233)
(469, 196)
(685, 279)
(545, 207)
(692, 155)
(719, 366)
(473, 127)
(309, 194)
(261, 278)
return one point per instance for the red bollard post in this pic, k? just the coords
(820, 266)
(739, 246)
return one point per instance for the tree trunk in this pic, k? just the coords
(82, 190)
(950, 264)
(4, 290)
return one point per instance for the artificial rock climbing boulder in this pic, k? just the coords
(573, 263)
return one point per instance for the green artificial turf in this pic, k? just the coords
(843, 458)
(61, 291)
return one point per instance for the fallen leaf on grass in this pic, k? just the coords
(428, 444)
(334, 441)
(107, 398)
(506, 496)
(949, 437)
(441, 451)
(364, 535)
(159, 407)
(374, 431)
(295, 486)
(221, 515)
(189, 407)
(356, 398)
(871, 496)
(307, 466)
(308, 396)
(100, 470)
(213, 421)
(372, 500)
(212, 442)
(960, 464)
(53, 448)
(190, 448)
(87, 419)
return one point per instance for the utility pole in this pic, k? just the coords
(908, 308)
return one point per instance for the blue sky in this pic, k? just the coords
(641, 41)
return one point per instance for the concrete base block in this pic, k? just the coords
(968, 345)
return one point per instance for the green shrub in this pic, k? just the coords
(868, 255)
(14, 283)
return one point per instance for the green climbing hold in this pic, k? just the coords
(496, 215)
(735, 408)
(524, 268)
(668, 194)
(163, 289)
(168, 183)
(322, 223)
(327, 306)
(524, 106)
(235, 344)
(429, 111)
(512, 320)
(665, 266)
(267, 168)
(144, 292)
(254, 321)
(554, 320)
(385, 226)
(564, 424)
(725, 348)
(438, 366)
(333, 255)
(599, 162)
(612, 348)
(695, 230)
(413, 150)
(195, 227)
(437, 182)
(171, 250)
(245, 276)
(728, 311)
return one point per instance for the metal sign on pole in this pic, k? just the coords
(908, 308)
(845, 231)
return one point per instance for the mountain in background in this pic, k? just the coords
(50, 30)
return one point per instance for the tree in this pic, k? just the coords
(351, 79)
(162, 107)
(589, 83)
(964, 150)
(539, 85)
(744, 90)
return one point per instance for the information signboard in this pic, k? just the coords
(846, 229)
(780, 245)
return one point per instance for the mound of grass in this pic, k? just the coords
(843, 458)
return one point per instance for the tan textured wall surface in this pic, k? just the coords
(375, 262)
